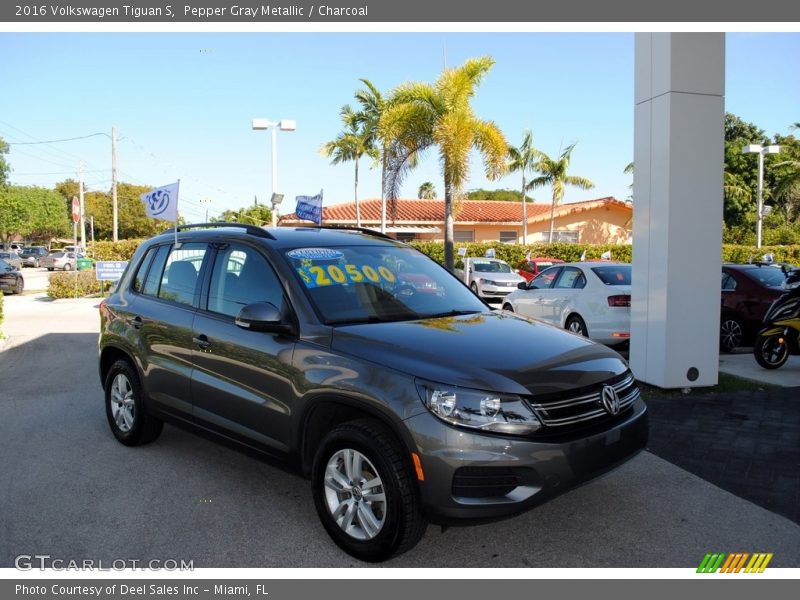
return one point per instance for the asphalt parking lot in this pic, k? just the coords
(71, 491)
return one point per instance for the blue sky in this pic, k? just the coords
(183, 104)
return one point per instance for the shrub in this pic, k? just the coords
(62, 285)
(121, 250)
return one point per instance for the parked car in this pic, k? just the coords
(747, 292)
(12, 258)
(530, 268)
(592, 299)
(10, 247)
(67, 261)
(32, 255)
(488, 278)
(401, 407)
(11, 280)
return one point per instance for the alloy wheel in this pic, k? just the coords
(122, 403)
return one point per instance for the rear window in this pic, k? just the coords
(771, 276)
(614, 274)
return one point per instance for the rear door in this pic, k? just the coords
(241, 382)
(162, 309)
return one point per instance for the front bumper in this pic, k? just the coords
(496, 291)
(514, 473)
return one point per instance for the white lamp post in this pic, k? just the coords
(283, 125)
(761, 151)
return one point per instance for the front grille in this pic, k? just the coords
(484, 482)
(586, 406)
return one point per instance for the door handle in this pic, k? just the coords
(137, 322)
(202, 341)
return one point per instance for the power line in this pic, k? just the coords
(83, 137)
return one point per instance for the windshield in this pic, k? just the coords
(363, 284)
(490, 266)
(614, 274)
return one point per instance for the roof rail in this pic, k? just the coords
(361, 229)
(251, 229)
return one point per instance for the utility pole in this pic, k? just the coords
(114, 210)
(83, 219)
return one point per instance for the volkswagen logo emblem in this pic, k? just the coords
(609, 399)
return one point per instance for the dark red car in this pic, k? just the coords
(531, 268)
(747, 293)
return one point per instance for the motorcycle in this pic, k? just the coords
(780, 334)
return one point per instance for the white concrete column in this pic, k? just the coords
(677, 216)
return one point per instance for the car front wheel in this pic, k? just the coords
(127, 416)
(20, 286)
(364, 493)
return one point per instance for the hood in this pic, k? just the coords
(501, 352)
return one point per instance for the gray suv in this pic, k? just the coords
(378, 374)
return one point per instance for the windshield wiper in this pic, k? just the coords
(373, 319)
(450, 313)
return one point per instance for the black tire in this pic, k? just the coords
(131, 424)
(20, 286)
(401, 521)
(474, 287)
(508, 307)
(49, 268)
(67, 267)
(771, 351)
(576, 325)
(731, 334)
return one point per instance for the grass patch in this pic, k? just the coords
(728, 384)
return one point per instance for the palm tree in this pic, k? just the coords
(426, 191)
(423, 115)
(628, 170)
(523, 158)
(788, 187)
(350, 145)
(554, 174)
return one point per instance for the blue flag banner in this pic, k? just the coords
(309, 208)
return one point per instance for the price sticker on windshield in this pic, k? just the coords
(342, 274)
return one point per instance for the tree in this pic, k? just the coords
(423, 115)
(628, 170)
(255, 215)
(523, 159)
(743, 169)
(426, 191)
(31, 212)
(554, 173)
(502, 195)
(351, 144)
(5, 168)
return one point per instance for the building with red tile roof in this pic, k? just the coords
(599, 221)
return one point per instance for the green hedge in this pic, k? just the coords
(514, 253)
(121, 250)
(62, 285)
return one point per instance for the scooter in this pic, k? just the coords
(780, 335)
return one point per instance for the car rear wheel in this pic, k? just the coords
(125, 410)
(67, 267)
(49, 268)
(364, 493)
(730, 334)
(576, 325)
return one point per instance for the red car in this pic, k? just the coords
(747, 293)
(531, 268)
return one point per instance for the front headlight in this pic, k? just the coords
(475, 409)
(488, 282)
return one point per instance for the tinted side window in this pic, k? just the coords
(141, 273)
(240, 277)
(545, 279)
(179, 281)
(156, 269)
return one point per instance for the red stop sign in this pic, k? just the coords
(76, 210)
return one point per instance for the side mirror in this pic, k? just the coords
(522, 285)
(262, 316)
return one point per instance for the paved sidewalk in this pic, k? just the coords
(742, 363)
(747, 443)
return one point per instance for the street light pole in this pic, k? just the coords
(761, 151)
(283, 125)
